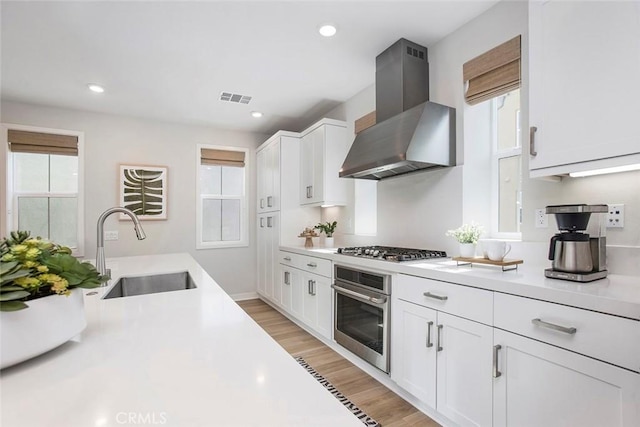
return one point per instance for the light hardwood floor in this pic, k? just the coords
(375, 399)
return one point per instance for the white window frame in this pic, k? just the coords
(244, 202)
(10, 217)
(496, 156)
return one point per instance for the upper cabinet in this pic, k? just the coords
(323, 148)
(584, 85)
(268, 159)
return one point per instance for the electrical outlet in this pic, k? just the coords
(541, 218)
(110, 235)
(615, 217)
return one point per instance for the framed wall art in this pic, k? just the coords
(143, 190)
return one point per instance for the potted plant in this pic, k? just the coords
(467, 236)
(327, 228)
(39, 308)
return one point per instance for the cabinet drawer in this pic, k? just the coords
(613, 339)
(307, 263)
(463, 301)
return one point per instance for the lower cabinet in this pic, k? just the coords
(305, 295)
(443, 360)
(268, 243)
(539, 384)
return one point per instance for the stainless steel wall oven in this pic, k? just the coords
(361, 314)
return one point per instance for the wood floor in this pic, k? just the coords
(375, 399)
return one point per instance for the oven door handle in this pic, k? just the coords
(358, 296)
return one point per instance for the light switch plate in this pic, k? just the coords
(541, 218)
(615, 216)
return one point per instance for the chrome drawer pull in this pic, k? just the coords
(261, 203)
(312, 264)
(532, 141)
(287, 258)
(287, 279)
(567, 330)
(434, 296)
(429, 343)
(496, 373)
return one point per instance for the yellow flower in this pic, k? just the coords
(30, 264)
(18, 249)
(8, 257)
(58, 284)
(32, 253)
(27, 282)
(42, 269)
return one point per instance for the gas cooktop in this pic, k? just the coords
(387, 253)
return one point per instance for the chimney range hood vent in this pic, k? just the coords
(412, 133)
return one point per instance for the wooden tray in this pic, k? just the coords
(506, 264)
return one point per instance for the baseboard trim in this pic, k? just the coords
(245, 296)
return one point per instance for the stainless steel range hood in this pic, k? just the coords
(412, 133)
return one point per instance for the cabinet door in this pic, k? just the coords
(272, 189)
(310, 300)
(319, 158)
(322, 287)
(262, 178)
(413, 350)
(584, 85)
(306, 169)
(542, 385)
(262, 240)
(272, 283)
(285, 280)
(298, 292)
(464, 362)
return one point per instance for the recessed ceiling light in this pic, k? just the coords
(256, 114)
(327, 30)
(95, 88)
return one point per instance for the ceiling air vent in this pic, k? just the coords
(234, 97)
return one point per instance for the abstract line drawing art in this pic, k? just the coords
(143, 190)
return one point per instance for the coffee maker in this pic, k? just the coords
(576, 255)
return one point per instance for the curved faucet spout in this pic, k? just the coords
(100, 263)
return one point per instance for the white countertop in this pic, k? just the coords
(616, 294)
(182, 358)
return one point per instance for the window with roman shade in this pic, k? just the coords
(222, 213)
(495, 72)
(45, 185)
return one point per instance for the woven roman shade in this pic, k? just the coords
(493, 73)
(210, 156)
(21, 141)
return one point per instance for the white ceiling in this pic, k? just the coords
(171, 60)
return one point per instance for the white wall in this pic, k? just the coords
(111, 140)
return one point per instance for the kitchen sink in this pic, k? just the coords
(142, 285)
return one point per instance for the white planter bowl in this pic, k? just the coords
(46, 324)
(467, 250)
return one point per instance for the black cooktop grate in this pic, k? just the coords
(388, 253)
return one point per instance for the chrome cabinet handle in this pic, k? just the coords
(261, 203)
(312, 264)
(262, 222)
(313, 287)
(309, 191)
(269, 221)
(434, 296)
(270, 201)
(567, 330)
(287, 278)
(310, 287)
(287, 258)
(429, 343)
(532, 141)
(439, 337)
(496, 373)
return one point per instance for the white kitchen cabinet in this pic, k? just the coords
(268, 177)
(307, 282)
(443, 360)
(584, 86)
(268, 243)
(543, 385)
(323, 148)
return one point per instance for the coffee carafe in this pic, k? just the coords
(576, 255)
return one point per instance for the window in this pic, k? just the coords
(507, 163)
(44, 184)
(222, 213)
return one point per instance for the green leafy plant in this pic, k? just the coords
(32, 268)
(143, 191)
(467, 233)
(328, 228)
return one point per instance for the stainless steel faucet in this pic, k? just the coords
(100, 263)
